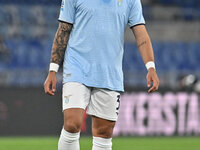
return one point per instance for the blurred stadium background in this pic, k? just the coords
(168, 119)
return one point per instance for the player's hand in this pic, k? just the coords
(152, 77)
(50, 83)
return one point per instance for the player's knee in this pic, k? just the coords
(104, 131)
(72, 126)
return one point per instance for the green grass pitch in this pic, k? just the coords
(140, 143)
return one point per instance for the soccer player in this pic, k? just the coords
(89, 42)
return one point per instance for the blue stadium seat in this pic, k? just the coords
(168, 56)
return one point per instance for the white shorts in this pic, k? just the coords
(102, 103)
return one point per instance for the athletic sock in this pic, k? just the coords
(68, 141)
(102, 143)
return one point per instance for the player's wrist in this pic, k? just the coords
(150, 65)
(53, 67)
(152, 70)
(52, 72)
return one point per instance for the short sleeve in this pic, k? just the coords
(135, 15)
(67, 11)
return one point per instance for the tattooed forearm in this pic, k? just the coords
(60, 42)
(141, 44)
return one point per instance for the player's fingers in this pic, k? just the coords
(49, 92)
(154, 87)
(157, 85)
(148, 81)
(156, 81)
(45, 85)
(47, 88)
(54, 86)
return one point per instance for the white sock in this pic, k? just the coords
(68, 141)
(102, 143)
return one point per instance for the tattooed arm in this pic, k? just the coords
(57, 55)
(144, 43)
(145, 47)
(60, 42)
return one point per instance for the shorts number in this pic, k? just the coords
(118, 100)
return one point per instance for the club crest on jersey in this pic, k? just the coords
(62, 5)
(67, 99)
(120, 2)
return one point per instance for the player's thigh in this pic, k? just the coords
(104, 107)
(102, 127)
(75, 95)
(75, 99)
(104, 104)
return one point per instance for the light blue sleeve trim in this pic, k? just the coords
(136, 14)
(67, 11)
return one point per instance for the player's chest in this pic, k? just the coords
(108, 7)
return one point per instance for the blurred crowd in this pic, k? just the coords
(4, 52)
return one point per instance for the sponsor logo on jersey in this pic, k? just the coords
(67, 99)
(69, 75)
(120, 2)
